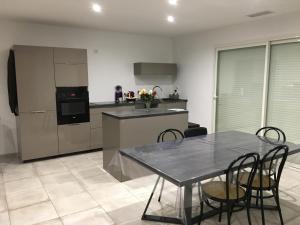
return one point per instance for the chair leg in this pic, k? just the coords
(229, 206)
(161, 189)
(257, 197)
(276, 196)
(248, 203)
(201, 212)
(220, 211)
(262, 207)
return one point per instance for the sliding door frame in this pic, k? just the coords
(216, 70)
(267, 45)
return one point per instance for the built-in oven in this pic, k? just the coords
(72, 104)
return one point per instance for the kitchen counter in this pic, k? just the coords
(139, 113)
(113, 104)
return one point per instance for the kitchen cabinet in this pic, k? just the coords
(74, 137)
(143, 68)
(96, 138)
(35, 78)
(37, 134)
(71, 75)
(70, 56)
(96, 123)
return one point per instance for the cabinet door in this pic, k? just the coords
(96, 138)
(37, 134)
(70, 55)
(35, 78)
(175, 105)
(71, 75)
(74, 137)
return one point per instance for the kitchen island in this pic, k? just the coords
(135, 128)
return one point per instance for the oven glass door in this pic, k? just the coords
(73, 112)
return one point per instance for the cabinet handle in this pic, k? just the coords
(39, 111)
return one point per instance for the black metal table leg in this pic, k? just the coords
(188, 204)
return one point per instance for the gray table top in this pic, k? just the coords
(139, 113)
(195, 159)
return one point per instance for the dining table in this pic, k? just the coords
(190, 161)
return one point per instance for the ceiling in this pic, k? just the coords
(144, 16)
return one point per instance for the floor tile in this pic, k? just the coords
(17, 172)
(1, 178)
(25, 198)
(4, 218)
(49, 167)
(51, 222)
(3, 205)
(74, 203)
(90, 217)
(88, 172)
(294, 221)
(80, 161)
(98, 182)
(59, 178)
(127, 213)
(22, 185)
(63, 190)
(33, 214)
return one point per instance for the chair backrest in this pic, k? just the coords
(193, 132)
(236, 170)
(272, 135)
(170, 134)
(272, 164)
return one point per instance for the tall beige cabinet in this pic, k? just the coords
(39, 70)
(36, 123)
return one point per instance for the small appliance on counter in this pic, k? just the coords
(174, 95)
(118, 94)
(130, 96)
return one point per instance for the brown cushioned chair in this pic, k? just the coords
(268, 178)
(230, 192)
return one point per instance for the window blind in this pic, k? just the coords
(283, 110)
(240, 89)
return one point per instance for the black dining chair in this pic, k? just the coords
(272, 135)
(268, 178)
(168, 135)
(230, 193)
(194, 132)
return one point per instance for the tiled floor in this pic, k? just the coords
(75, 190)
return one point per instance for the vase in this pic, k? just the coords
(147, 105)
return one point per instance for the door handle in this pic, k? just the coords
(38, 111)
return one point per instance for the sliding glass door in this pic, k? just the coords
(254, 90)
(240, 84)
(283, 108)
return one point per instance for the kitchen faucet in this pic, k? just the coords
(161, 90)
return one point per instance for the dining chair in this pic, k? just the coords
(267, 179)
(272, 135)
(230, 193)
(168, 135)
(194, 132)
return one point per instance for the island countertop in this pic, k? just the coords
(139, 113)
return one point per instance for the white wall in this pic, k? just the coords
(112, 64)
(195, 55)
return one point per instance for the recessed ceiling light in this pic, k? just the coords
(171, 19)
(173, 2)
(96, 7)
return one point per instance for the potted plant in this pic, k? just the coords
(147, 97)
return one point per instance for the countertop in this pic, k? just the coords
(139, 113)
(113, 104)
